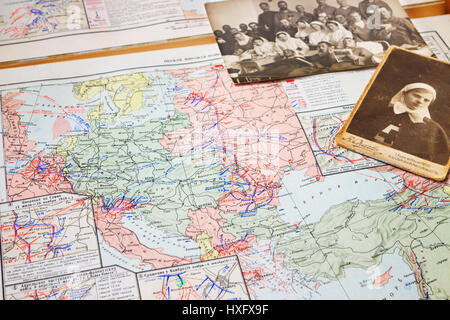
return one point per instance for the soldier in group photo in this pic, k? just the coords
(333, 35)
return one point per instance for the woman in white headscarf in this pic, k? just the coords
(407, 125)
(243, 43)
(337, 33)
(263, 48)
(303, 30)
(283, 41)
(414, 99)
(318, 34)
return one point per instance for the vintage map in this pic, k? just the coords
(27, 19)
(36, 18)
(34, 29)
(172, 165)
(214, 279)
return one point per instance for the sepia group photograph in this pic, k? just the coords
(403, 117)
(263, 40)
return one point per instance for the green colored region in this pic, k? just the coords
(264, 224)
(358, 234)
(180, 282)
(130, 162)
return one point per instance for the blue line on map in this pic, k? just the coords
(42, 167)
(50, 235)
(206, 106)
(109, 204)
(166, 279)
(225, 246)
(334, 130)
(390, 195)
(80, 294)
(261, 192)
(213, 285)
(400, 206)
(207, 144)
(17, 235)
(55, 249)
(215, 82)
(420, 272)
(437, 244)
(36, 11)
(232, 194)
(213, 188)
(80, 122)
(45, 1)
(246, 212)
(326, 152)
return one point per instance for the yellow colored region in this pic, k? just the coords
(447, 190)
(207, 252)
(89, 89)
(96, 112)
(126, 91)
(65, 146)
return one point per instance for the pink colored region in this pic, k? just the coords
(414, 181)
(96, 12)
(253, 124)
(109, 223)
(317, 285)
(193, 15)
(258, 274)
(61, 127)
(235, 247)
(42, 176)
(383, 279)
(253, 127)
(208, 220)
(16, 143)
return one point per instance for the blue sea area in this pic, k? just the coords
(306, 202)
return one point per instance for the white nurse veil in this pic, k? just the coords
(399, 106)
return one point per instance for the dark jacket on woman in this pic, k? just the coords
(426, 140)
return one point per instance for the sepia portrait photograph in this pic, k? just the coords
(403, 117)
(269, 40)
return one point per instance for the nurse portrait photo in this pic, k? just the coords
(405, 110)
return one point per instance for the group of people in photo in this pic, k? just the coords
(326, 37)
